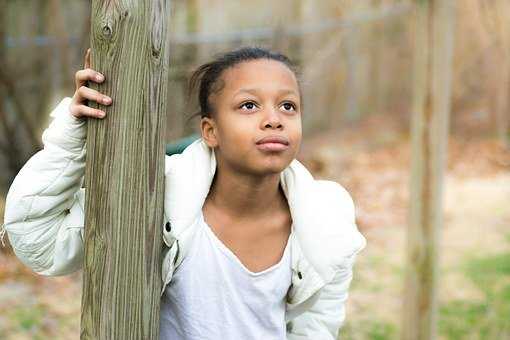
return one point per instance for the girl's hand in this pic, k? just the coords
(78, 106)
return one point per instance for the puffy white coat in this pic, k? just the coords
(44, 219)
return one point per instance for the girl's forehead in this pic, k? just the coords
(260, 73)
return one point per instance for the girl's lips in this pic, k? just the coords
(274, 139)
(270, 146)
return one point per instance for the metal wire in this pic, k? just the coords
(255, 33)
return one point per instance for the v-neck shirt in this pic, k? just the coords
(212, 294)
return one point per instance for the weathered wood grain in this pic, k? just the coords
(429, 125)
(125, 171)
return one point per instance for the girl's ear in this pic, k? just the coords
(208, 129)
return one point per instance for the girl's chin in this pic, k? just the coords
(274, 165)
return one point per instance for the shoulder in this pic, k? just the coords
(336, 223)
(332, 195)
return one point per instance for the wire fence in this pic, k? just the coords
(237, 36)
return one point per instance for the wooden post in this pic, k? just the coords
(430, 120)
(352, 59)
(125, 172)
(309, 12)
(500, 35)
(3, 54)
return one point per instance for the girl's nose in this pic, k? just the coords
(273, 119)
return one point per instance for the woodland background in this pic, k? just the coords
(356, 62)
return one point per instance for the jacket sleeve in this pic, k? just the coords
(44, 209)
(325, 313)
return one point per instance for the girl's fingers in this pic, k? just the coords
(88, 74)
(79, 107)
(86, 93)
(85, 111)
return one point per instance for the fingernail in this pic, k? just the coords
(107, 100)
(100, 77)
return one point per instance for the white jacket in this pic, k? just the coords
(44, 219)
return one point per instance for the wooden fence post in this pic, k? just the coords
(430, 121)
(125, 171)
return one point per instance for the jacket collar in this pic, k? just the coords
(323, 225)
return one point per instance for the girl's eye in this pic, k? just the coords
(289, 106)
(248, 105)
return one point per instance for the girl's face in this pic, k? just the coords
(256, 99)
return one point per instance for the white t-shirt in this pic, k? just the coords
(213, 296)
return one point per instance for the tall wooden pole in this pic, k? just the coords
(430, 121)
(501, 36)
(125, 171)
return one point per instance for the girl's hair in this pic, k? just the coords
(207, 76)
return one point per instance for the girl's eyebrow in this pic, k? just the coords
(254, 91)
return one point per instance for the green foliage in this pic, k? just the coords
(484, 271)
(368, 329)
(457, 319)
(27, 318)
(486, 319)
(381, 331)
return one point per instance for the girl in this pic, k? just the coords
(256, 248)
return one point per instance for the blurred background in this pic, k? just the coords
(356, 68)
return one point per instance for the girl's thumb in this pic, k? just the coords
(87, 58)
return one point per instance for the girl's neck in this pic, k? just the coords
(245, 196)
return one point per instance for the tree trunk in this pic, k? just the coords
(57, 27)
(502, 107)
(352, 59)
(502, 102)
(375, 64)
(125, 172)
(12, 141)
(44, 64)
(433, 64)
